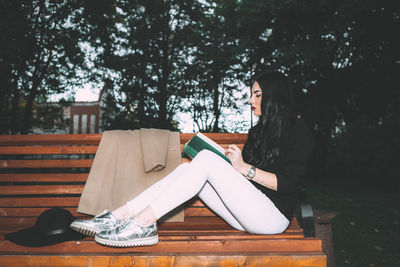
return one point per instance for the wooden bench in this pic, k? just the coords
(39, 172)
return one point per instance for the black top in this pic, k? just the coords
(290, 168)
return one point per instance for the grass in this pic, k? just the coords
(367, 230)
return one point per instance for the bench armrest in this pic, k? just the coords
(305, 215)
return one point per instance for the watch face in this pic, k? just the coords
(251, 173)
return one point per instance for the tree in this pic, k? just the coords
(215, 66)
(40, 56)
(148, 46)
(341, 57)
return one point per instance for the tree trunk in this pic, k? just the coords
(216, 104)
(38, 77)
(27, 115)
(14, 117)
(141, 104)
(163, 94)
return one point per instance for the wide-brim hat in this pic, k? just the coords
(51, 227)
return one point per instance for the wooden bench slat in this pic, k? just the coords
(43, 177)
(60, 150)
(36, 211)
(40, 189)
(31, 211)
(53, 163)
(185, 246)
(47, 150)
(315, 259)
(198, 211)
(220, 138)
(189, 225)
(94, 139)
(50, 139)
(208, 235)
(40, 202)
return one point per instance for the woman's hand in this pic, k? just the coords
(235, 156)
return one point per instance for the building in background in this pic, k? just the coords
(81, 117)
(84, 117)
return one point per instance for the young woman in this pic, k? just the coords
(257, 193)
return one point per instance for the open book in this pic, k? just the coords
(200, 142)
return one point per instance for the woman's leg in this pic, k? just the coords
(214, 202)
(249, 206)
(136, 205)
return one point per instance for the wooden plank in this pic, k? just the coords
(221, 235)
(47, 150)
(31, 211)
(184, 246)
(43, 177)
(220, 138)
(190, 224)
(50, 139)
(267, 259)
(40, 189)
(53, 163)
(214, 222)
(197, 203)
(206, 224)
(35, 211)
(94, 139)
(225, 146)
(198, 211)
(63, 150)
(315, 259)
(40, 202)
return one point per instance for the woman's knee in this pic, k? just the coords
(206, 155)
(182, 166)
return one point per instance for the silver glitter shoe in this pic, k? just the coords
(128, 234)
(103, 221)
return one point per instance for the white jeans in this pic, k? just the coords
(223, 189)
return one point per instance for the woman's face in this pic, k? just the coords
(255, 99)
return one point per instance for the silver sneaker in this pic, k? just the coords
(103, 221)
(128, 234)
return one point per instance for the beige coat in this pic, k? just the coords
(125, 164)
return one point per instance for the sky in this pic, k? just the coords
(87, 93)
(90, 92)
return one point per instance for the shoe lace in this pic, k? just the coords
(125, 221)
(101, 214)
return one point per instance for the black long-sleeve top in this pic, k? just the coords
(290, 168)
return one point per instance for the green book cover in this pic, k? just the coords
(200, 142)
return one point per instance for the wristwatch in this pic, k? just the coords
(251, 173)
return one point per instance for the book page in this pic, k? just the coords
(212, 143)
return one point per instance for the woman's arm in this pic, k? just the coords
(262, 177)
(267, 179)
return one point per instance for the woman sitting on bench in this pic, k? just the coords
(256, 194)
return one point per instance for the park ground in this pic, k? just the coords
(367, 230)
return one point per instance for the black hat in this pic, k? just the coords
(52, 227)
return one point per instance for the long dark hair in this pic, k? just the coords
(265, 139)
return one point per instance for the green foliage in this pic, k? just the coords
(50, 117)
(366, 155)
(160, 58)
(342, 58)
(40, 56)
